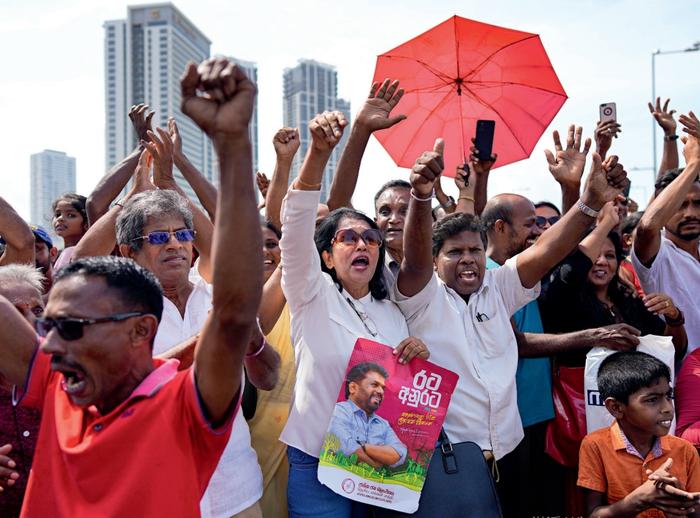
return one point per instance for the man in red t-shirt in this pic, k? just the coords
(123, 434)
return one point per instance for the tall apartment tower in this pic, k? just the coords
(310, 88)
(52, 174)
(145, 56)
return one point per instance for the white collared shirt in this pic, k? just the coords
(237, 482)
(476, 341)
(324, 325)
(677, 274)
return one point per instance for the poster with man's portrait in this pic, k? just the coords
(384, 427)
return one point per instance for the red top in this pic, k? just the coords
(153, 455)
(687, 393)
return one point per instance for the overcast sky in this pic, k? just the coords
(52, 87)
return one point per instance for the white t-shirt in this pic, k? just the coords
(677, 274)
(237, 482)
(324, 325)
(476, 341)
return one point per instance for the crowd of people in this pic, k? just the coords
(182, 357)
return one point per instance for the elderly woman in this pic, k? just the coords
(336, 295)
(22, 285)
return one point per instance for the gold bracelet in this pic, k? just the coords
(308, 185)
(468, 198)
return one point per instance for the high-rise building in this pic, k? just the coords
(145, 55)
(310, 88)
(52, 174)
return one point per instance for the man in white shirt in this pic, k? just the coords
(463, 311)
(669, 262)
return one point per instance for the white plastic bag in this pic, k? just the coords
(597, 416)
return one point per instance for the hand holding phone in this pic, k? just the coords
(483, 141)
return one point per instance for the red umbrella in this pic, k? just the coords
(461, 71)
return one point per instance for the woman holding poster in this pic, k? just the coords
(336, 295)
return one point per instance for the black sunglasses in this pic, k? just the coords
(349, 237)
(541, 221)
(160, 237)
(72, 328)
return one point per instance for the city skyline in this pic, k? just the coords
(52, 174)
(60, 103)
(311, 87)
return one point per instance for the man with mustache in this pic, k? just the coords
(360, 430)
(669, 261)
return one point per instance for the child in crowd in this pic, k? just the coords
(70, 222)
(634, 468)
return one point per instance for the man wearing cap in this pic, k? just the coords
(44, 255)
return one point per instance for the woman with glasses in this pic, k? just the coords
(336, 295)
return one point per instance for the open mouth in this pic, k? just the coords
(361, 262)
(666, 423)
(468, 275)
(599, 273)
(73, 381)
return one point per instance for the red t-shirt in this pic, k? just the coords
(153, 455)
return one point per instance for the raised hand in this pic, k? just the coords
(604, 133)
(427, 169)
(141, 120)
(691, 126)
(374, 114)
(477, 165)
(327, 129)
(142, 175)
(566, 165)
(609, 216)
(605, 181)
(161, 149)
(175, 137)
(286, 143)
(663, 116)
(263, 183)
(224, 109)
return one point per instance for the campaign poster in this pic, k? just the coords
(384, 427)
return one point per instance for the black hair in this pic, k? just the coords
(138, 288)
(497, 209)
(454, 224)
(325, 231)
(665, 179)
(359, 371)
(548, 204)
(271, 226)
(77, 201)
(622, 374)
(391, 184)
(630, 222)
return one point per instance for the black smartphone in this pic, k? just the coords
(484, 138)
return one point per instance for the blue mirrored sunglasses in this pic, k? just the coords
(160, 237)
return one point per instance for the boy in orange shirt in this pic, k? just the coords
(634, 468)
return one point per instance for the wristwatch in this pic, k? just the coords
(449, 203)
(678, 321)
(669, 138)
(586, 209)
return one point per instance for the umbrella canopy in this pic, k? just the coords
(461, 71)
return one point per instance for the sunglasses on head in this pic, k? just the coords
(160, 237)
(349, 237)
(541, 221)
(72, 328)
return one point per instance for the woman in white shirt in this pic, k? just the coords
(336, 294)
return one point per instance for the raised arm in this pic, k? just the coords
(203, 188)
(19, 239)
(566, 165)
(664, 118)
(466, 183)
(102, 235)
(608, 219)
(224, 114)
(603, 135)
(480, 170)
(605, 182)
(116, 178)
(19, 343)
(286, 144)
(417, 265)
(161, 147)
(669, 201)
(374, 115)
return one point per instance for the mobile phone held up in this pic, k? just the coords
(608, 112)
(484, 138)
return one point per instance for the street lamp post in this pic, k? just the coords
(658, 52)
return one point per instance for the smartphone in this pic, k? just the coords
(484, 138)
(608, 112)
